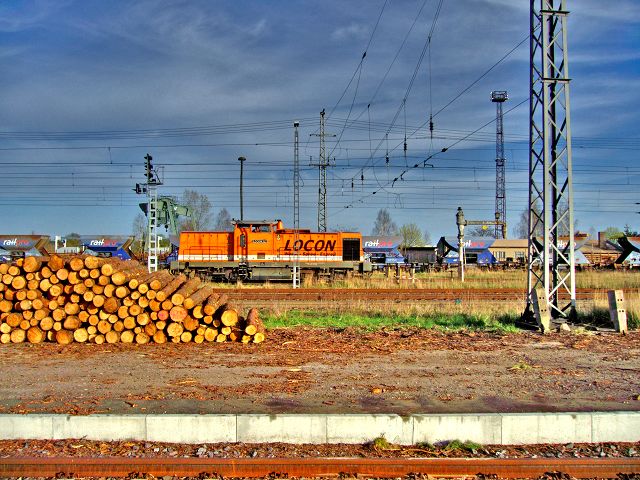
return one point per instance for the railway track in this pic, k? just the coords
(314, 467)
(392, 294)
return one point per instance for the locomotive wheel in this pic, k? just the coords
(231, 276)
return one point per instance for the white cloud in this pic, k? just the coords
(353, 31)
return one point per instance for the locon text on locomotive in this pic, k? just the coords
(311, 245)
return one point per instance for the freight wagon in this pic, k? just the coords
(265, 250)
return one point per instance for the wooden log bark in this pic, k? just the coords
(35, 335)
(18, 335)
(76, 263)
(64, 337)
(228, 315)
(174, 329)
(81, 335)
(31, 264)
(190, 323)
(84, 299)
(178, 313)
(171, 287)
(198, 297)
(189, 287)
(254, 323)
(159, 337)
(214, 302)
(127, 336)
(55, 263)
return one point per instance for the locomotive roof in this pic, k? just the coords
(242, 223)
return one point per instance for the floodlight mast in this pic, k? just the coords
(499, 97)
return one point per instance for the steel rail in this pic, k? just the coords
(313, 467)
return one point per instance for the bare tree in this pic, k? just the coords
(521, 229)
(139, 231)
(384, 224)
(343, 227)
(73, 239)
(223, 221)
(479, 231)
(427, 237)
(200, 207)
(411, 235)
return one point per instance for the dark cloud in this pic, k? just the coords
(78, 66)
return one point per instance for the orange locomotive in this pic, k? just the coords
(265, 250)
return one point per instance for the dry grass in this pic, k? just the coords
(593, 309)
(474, 279)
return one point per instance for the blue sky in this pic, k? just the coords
(116, 80)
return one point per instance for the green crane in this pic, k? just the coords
(168, 212)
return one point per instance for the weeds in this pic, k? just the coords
(381, 443)
(467, 446)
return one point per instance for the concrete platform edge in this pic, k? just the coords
(497, 428)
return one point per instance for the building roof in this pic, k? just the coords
(511, 243)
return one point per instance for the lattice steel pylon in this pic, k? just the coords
(322, 165)
(499, 97)
(551, 261)
(296, 206)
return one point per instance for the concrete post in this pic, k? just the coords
(541, 310)
(617, 310)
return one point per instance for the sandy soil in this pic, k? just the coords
(328, 371)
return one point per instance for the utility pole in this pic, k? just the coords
(296, 205)
(550, 260)
(499, 97)
(241, 160)
(322, 165)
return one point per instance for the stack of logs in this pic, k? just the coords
(98, 300)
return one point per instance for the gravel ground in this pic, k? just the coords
(86, 448)
(306, 370)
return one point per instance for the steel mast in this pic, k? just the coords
(296, 205)
(551, 261)
(322, 165)
(499, 97)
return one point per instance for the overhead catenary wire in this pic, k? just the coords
(443, 150)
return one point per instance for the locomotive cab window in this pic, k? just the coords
(350, 249)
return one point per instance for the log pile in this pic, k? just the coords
(108, 300)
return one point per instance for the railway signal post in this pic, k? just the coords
(150, 188)
(460, 222)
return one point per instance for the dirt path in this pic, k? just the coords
(327, 371)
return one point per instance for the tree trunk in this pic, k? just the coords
(183, 292)
(171, 287)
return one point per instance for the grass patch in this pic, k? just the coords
(376, 321)
(464, 446)
(381, 443)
